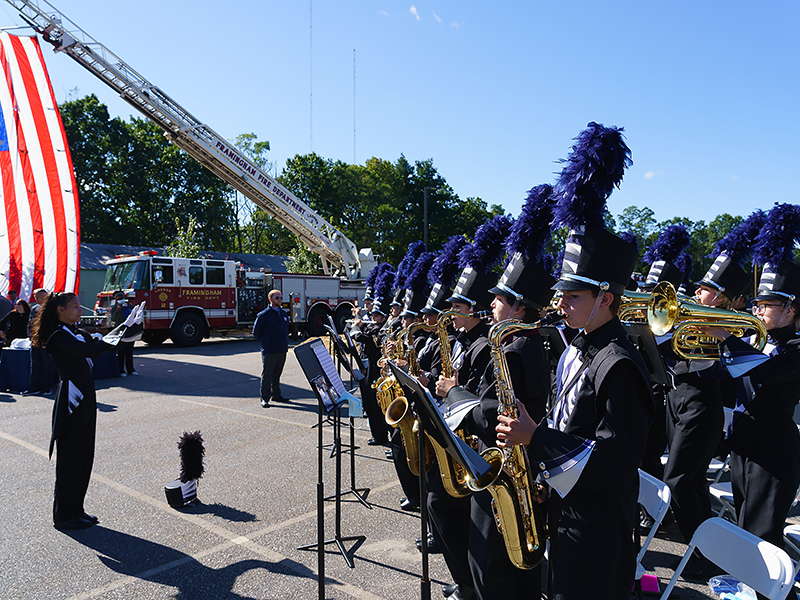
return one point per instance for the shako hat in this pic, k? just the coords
(442, 274)
(525, 278)
(594, 258)
(662, 256)
(417, 286)
(726, 274)
(780, 279)
(383, 291)
(477, 261)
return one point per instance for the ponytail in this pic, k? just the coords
(46, 319)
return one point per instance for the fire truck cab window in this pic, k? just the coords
(196, 275)
(133, 275)
(215, 275)
(163, 274)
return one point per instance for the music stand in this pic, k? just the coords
(433, 422)
(324, 380)
(355, 377)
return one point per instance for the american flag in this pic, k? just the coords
(39, 222)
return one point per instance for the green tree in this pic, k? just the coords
(185, 244)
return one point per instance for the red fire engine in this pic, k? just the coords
(187, 298)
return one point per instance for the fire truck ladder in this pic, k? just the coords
(339, 255)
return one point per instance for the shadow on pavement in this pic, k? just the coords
(219, 510)
(136, 557)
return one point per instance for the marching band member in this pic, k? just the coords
(764, 440)
(695, 415)
(590, 457)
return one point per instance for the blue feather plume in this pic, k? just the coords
(595, 166)
(738, 244)
(373, 275)
(487, 249)
(775, 244)
(630, 237)
(668, 244)
(531, 231)
(415, 249)
(684, 263)
(383, 284)
(418, 279)
(445, 268)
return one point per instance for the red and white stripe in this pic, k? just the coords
(39, 216)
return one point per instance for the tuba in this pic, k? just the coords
(455, 479)
(666, 312)
(516, 510)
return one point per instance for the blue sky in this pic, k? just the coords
(493, 92)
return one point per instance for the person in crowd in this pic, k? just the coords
(271, 329)
(119, 312)
(15, 324)
(41, 378)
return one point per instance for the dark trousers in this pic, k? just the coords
(271, 369)
(408, 481)
(125, 357)
(449, 518)
(377, 422)
(74, 459)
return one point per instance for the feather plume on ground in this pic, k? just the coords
(415, 250)
(445, 267)
(192, 453)
(779, 235)
(487, 249)
(593, 169)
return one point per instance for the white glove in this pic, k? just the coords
(136, 316)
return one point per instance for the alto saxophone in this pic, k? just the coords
(516, 510)
(455, 479)
(398, 412)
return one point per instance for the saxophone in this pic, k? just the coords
(516, 510)
(455, 479)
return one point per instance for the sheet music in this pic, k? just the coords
(326, 362)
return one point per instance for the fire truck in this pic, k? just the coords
(187, 298)
(313, 298)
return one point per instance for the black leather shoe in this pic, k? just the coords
(76, 523)
(389, 454)
(462, 593)
(407, 504)
(449, 589)
(31, 392)
(264, 403)
(279, 399)
(91, 518)
(373, 442)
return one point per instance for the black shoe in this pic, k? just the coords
(449, 589)
(264, 403)
(76, 523)
(87, 517)
(462, 593)
(699, 568)
(646, 522)
(389, 454)
(407, 504)
(31, 392)
(373, 442)
(279, 399)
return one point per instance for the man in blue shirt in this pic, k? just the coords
(271, 329)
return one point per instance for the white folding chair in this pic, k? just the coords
(759, 564)
(791, 535)
(654, 496)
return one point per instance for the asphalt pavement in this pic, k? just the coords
(257, 497)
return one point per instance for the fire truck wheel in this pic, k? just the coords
(317, 319)
(340, 316)
(187, 330)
